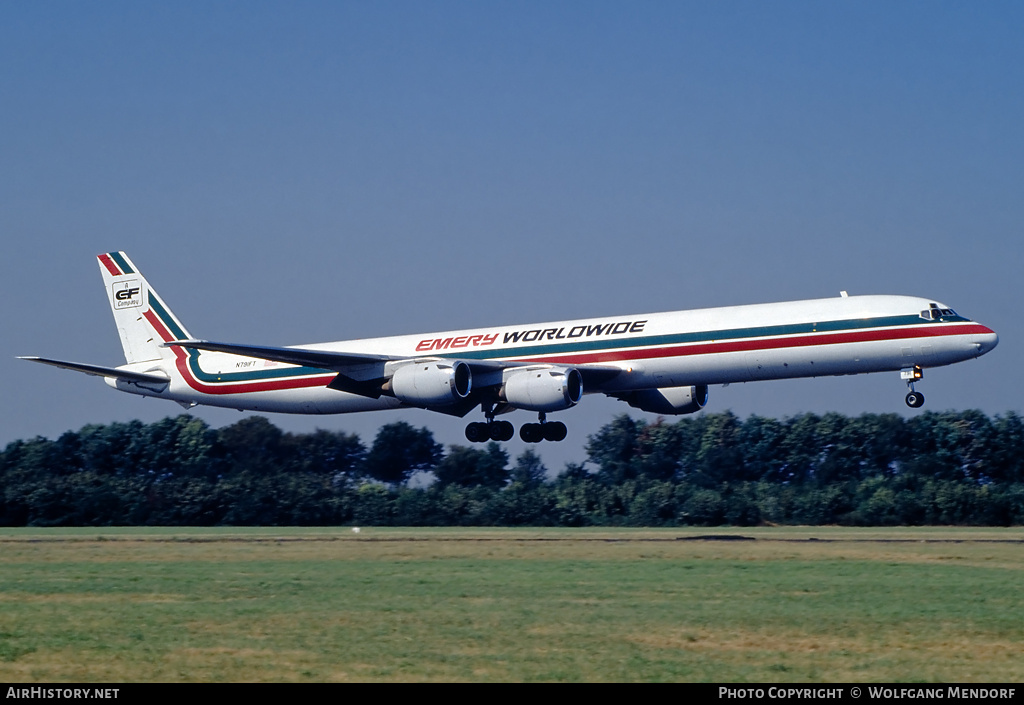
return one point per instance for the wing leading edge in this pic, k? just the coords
(321, 359)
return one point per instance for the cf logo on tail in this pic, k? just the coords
(127, 294)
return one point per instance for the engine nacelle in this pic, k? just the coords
(432, 383)
(669, 400)
(543, 390)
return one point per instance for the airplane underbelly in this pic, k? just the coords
(824, 360)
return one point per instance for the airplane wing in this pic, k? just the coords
(321, 359)
(100, 371)
(361, 373)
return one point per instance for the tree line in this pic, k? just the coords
(704, 470)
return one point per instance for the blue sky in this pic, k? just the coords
(297, 172)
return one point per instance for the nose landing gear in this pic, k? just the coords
(915, 399)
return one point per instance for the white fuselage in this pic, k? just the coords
(837, 336)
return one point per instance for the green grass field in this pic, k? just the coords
(511, 605)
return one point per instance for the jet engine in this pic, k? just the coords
(543, 390)
(432, 383)
(669, 400)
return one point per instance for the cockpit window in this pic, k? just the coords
(934, 313)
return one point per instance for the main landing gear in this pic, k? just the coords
(915, 399)
(490, 431)
(543, 431)
(503, 430)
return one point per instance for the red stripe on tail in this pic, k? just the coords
(109, 264)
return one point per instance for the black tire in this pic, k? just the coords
(555, 431)
(915, 400)
(530, 433)
(476, 432)
(507, 430)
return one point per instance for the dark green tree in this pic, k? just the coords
(399, 450)
(760, 439)
(720, 457)
(1007, 453)
(613, 449)
(659, 450)
(332, 453)
(471, 467)
(253, 445)
(529, 470)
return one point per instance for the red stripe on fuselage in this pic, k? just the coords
(748, 345)
(181, 362)
(109, 264)
(751, 345)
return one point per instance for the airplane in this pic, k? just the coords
(661, 363)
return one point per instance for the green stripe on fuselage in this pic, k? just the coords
(609, 343)
(576, 346)
(193, 356)
(250, 375)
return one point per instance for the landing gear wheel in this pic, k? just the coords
(531, 433)
(501, 431)
(477, 432)
(555, 431)
(915, 400)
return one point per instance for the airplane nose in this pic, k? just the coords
(986, 341)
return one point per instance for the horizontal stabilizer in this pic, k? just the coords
(100, 371)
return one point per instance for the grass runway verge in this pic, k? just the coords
(410, 604)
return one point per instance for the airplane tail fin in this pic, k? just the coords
(143, 320)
